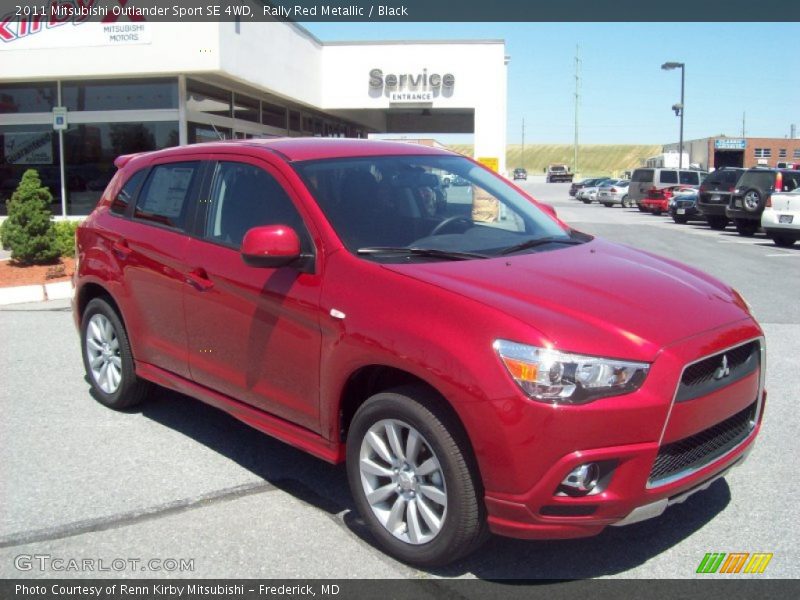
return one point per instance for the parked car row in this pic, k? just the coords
(748, 198)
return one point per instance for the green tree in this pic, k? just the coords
(28, 231)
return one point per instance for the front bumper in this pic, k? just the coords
(632, 488)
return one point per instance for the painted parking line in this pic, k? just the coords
(784, 254)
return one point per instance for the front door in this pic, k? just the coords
(253, 333)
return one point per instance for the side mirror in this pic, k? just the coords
(270, 246)
(549, 209)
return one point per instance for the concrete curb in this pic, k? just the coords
(35, 293)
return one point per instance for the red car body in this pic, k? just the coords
(657, 199)
(267, 345)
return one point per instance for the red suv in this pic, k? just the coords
(478, 364)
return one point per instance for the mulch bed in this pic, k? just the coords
(13, 274)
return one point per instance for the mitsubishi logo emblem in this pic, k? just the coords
(722, 370)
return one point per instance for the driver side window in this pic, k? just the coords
(244, 196)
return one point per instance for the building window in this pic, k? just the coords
(90, 150)
(201, 97)
(273, 115)
(24, 147)
(140, 94)
(27, 97)
(294, 122)
(763, 152)
(782, 153)
(198, 133)
(245, 108)
(796, 153)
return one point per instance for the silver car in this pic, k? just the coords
(614, 191)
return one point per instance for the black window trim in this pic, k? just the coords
(128, 213)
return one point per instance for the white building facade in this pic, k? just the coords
(76, 95)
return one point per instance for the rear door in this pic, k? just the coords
(151, 250)
(641, 181)
(253, 333)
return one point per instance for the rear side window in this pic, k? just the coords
(163, 199)
(642, 176)
(689, 177)
(668, 177)
(128, 192)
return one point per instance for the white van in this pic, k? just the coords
(656, 177)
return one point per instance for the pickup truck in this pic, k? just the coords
(558, 173)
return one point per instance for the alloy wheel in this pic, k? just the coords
(403, 481)
(103, 353)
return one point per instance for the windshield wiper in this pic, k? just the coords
(533, 242)
(431, 252)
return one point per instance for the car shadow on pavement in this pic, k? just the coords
(325, 487)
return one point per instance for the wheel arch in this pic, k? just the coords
(373, 379)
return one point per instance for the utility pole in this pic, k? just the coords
(523, 143)
(577, 98)
(743, 116)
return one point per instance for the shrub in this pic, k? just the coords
(65, 237)
(28, 230)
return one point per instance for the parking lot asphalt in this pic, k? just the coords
(175, 479)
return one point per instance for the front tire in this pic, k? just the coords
(107, 357)
(411, 479)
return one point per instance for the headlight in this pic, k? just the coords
(557, 377)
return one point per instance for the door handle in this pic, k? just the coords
(121, 249)
(198, 279)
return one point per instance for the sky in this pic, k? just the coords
(625, 97)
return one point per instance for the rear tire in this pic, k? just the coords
(608, 204)
(680, 220)
(626, 203)
(412, 480)
(717, 223)
(746, 227)
(585, 201)
(108, 359)
(641, 208)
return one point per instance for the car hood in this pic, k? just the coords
(597, 298)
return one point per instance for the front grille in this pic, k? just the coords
(700, 449)
(720, 370)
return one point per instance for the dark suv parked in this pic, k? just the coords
(753, 189)
(715, 193)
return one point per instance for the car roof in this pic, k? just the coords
(299, 149)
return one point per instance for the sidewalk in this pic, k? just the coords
(33, 293)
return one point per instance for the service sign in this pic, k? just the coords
(730, 144)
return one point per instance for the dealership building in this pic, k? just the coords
(75, 95)
(721, 151)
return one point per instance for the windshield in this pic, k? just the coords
(445, 204)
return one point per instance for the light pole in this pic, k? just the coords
(678, 108)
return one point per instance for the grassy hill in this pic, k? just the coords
(593, 159)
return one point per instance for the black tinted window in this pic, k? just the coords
(669, 177)
(723, 177)
(761, 180)
(127, 193)
(642, 176)
(689, 177)
(163, 199)
(244, 196)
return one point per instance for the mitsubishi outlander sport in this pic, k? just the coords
(479, 366)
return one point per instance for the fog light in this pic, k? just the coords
(581, 480)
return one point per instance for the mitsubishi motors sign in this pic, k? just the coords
(54, 25)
